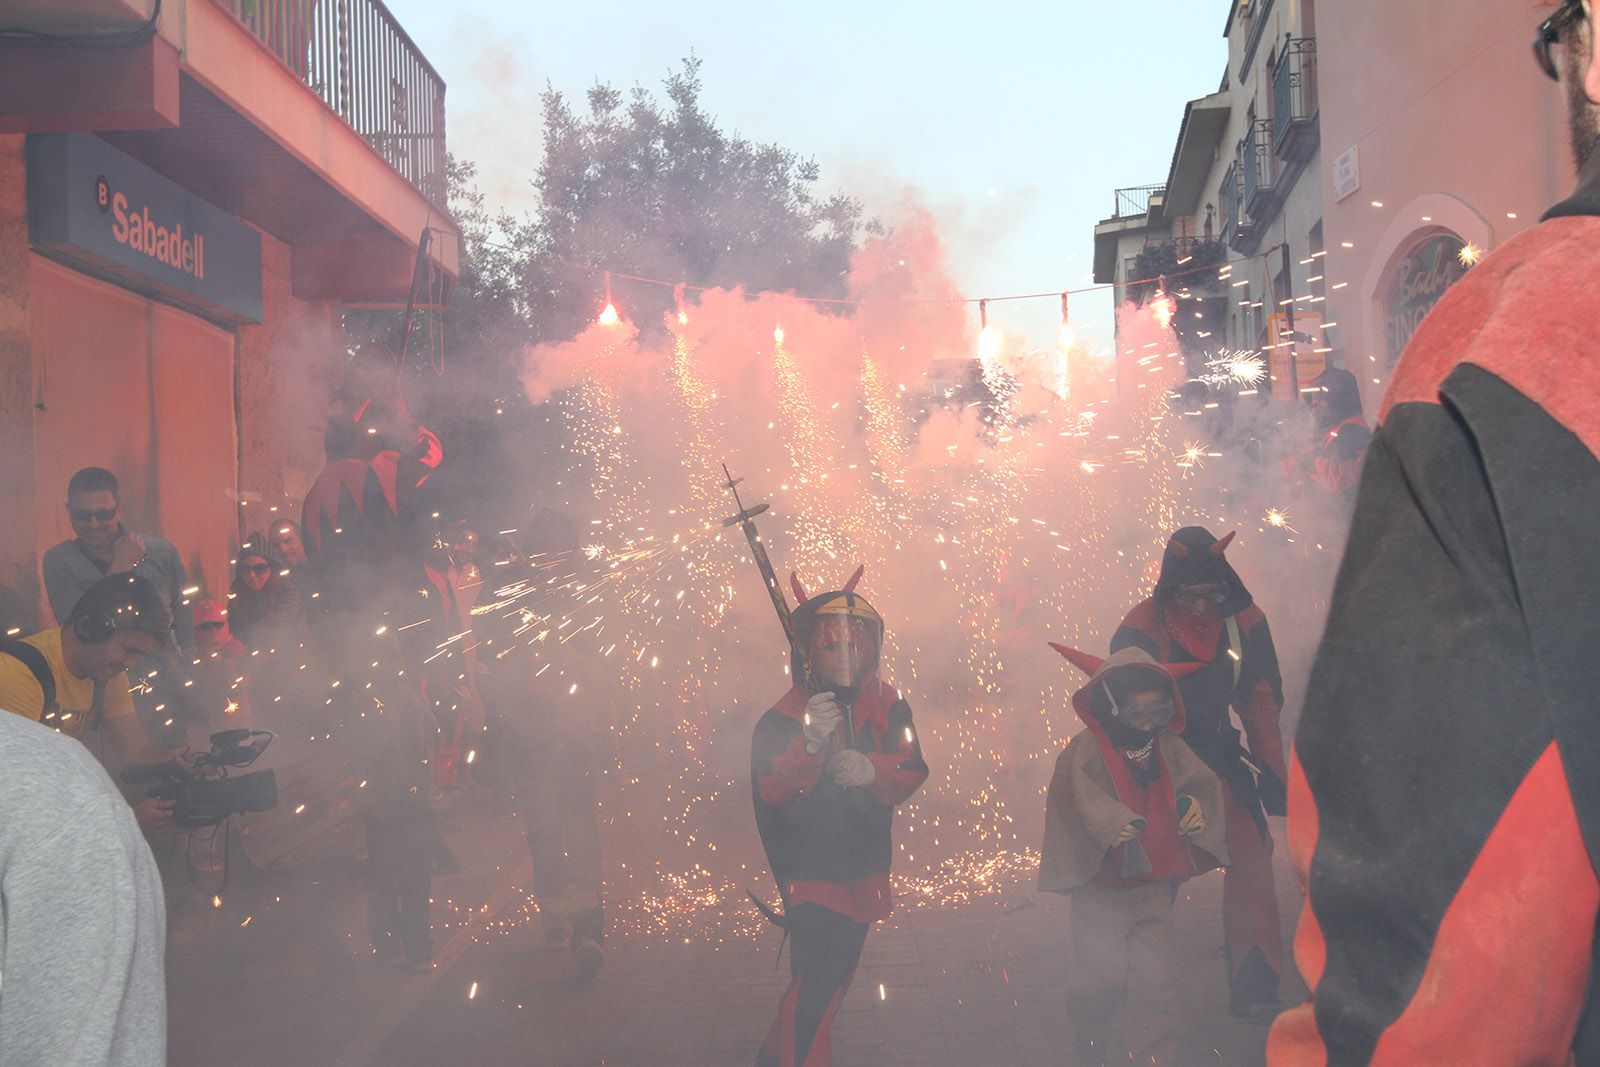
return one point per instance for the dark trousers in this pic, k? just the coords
(399, 877)
(824, 948)
(561, 808)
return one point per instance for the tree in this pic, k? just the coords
(661, 191)
(631, 185)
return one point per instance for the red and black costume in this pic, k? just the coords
(1239, 671)
(1335, 464)
(1445, 793)
(829, 846)
(1116, 840)
(364, 561)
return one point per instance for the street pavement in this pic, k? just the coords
(278, 974)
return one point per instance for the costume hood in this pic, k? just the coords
(1194, 556)
(1099, 670)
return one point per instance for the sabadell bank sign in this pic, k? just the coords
(97, 208)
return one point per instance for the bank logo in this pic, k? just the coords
(137, 230)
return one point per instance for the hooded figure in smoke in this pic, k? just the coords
(1202, 614)
(1131, 812)
(1335, 461)
(829, 764)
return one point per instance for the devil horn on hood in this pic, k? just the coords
(799, 590)
(850, 586)
(1179, 549)
(1222, 546)
(1082, 660)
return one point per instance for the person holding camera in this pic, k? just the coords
(1201, 613)
(74, 678)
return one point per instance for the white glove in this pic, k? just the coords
(822, 718)
(851, 768)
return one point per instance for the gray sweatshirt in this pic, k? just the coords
(82, 918)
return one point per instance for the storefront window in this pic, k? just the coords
(1424, 274)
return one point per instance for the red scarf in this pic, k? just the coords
(1167, 849)
(1197, 635)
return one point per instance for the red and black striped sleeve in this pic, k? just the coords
(782, 768)
(1445, 786)
(900, 768)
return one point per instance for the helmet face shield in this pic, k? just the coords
(843, 652)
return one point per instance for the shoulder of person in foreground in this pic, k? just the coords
(85, 920)
(1519, 315)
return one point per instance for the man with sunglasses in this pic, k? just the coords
(103, 545)
(1201, 614)
(1445, 790)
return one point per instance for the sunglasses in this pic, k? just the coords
(1549, 35)
(211, 626)
(1202, 596)
(92, 514)
(258, 568)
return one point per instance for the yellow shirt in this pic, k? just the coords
(21, 694)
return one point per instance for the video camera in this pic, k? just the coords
(197, 784)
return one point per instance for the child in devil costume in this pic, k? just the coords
(829, 763)
(1202, 617)
(1131, 812)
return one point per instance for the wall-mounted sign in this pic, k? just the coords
(95, 207)
(1422, 277)
(1346, 175)
(1295, 356)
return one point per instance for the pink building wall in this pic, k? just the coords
(1456, 131)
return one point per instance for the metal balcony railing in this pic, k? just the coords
(355, 56)
(1231, 195)
(1255, 153)
(1135, 200)
(1294, 89)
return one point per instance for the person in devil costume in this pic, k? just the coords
(365, 540)
(829, 763)
(1131, 812)
(1201, 613)
(1335, 462)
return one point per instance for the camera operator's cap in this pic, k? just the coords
(125, 601)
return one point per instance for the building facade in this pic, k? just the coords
(1236, 229)
(1441, 133)
(191, 192)
(1356, 159)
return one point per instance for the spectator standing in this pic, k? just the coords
(104, 545)
(222, 685)
(265, 606)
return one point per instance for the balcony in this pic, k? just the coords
(1294, 101)
(1255, 155)
(354, 55)
(1231, 195)
(1135, 200)
(316, 121)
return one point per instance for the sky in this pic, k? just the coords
(1013, 122)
